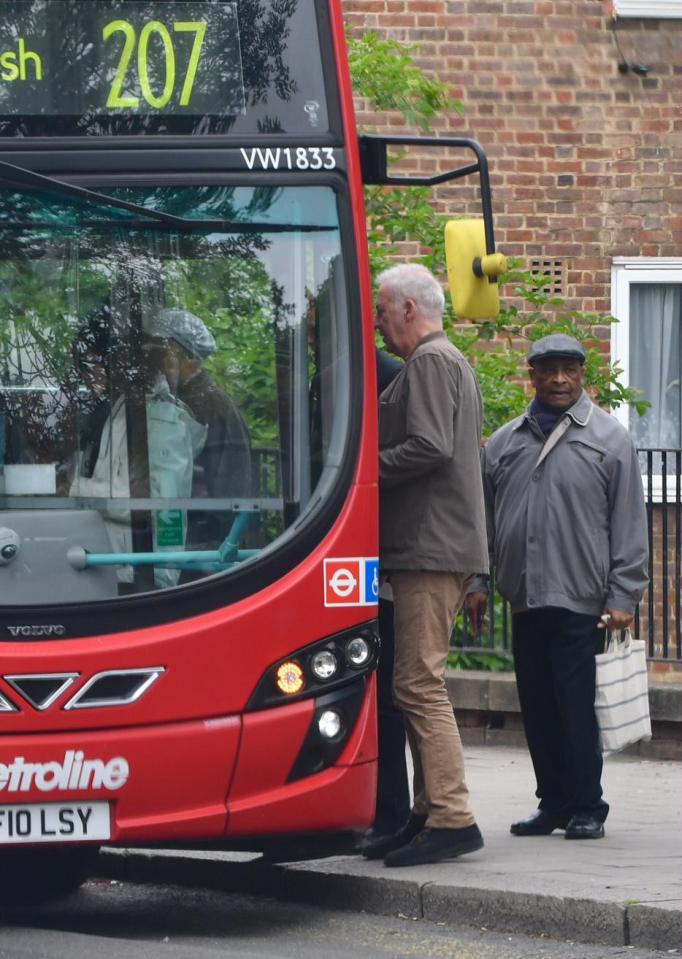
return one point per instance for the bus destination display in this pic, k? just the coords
(66, 57)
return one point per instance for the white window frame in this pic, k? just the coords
(624, 272)
(648, 9)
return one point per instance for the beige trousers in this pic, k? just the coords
(425, 607)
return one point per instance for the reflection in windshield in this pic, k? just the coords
(173, 396)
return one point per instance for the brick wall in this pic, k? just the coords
(583, 158)
(585, 161)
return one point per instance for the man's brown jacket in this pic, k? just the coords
(430, 489)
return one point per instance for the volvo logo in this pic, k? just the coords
(53, 630)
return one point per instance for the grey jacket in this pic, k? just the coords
(572, 531)
(431, 497)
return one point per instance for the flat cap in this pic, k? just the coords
(185, 328)
(556, 344)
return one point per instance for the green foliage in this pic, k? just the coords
(398, 214)
(235, 296)
(504, 395)
(544, 314)
(489, 660)
(384, 73)
(490, 650)
(37, 340)
(495, 635)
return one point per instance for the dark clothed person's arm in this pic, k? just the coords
(387, 369)
(227, 456)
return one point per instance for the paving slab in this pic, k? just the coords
(625, 889)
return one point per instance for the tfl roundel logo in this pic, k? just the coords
(351, 582)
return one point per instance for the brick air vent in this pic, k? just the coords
(554, 270)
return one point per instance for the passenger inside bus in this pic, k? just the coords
(122, 454)
(176, 345)
(92, 404)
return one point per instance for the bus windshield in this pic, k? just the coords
(120, 67)
(172, 393)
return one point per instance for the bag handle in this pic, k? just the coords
(613, 640)
(553, 439)
(557, 433)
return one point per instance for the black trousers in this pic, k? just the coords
(554, 652)
(393, 794)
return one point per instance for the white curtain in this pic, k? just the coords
(656, 363)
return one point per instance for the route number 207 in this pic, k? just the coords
(158, 30)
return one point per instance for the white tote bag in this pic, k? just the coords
(622, 694)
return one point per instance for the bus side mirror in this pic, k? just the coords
(472, 273)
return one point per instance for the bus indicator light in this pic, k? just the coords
(290, 679)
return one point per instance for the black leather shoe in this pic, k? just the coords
(372, 835)
(539, 823)
(584, 827)
(379, 847)
(435, 845)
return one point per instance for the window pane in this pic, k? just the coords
(655, 363)
(165, 391)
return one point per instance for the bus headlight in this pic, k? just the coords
(358, 652)
(327, 664)
(329, 724)
(324, 665)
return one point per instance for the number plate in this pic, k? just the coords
(55, 822)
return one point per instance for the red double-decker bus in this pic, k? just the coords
(188, 536)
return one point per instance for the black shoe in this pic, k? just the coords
(435, 845)
(373, 834)
(539, 823)
(379, 847)
(584, 827)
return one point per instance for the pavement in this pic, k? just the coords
(624, 890)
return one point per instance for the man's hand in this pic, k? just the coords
(475, 606)
(616, 621)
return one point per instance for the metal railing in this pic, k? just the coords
(658, 618)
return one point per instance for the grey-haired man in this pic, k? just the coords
(432, 539)
(567, 534)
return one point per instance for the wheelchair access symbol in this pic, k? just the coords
(353, 581)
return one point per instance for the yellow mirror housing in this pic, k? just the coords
(474, 297)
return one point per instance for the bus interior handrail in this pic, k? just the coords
(227, 554)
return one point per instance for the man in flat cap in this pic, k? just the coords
(178, 342)
(567, 533)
